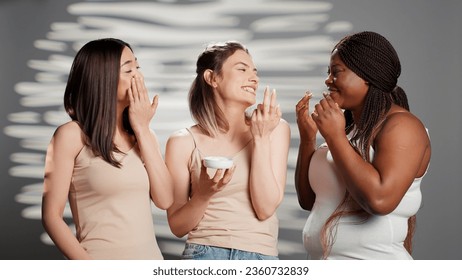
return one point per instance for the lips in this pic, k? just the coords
(249, 90)
(331, 90)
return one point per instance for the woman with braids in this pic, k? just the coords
(228, 212)
(362, 186)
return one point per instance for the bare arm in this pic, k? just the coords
(305, 194)
(62, 151)
(189, 208)
(271, 137)
(269, 171)
(307, 130)
(141, 111)
(402, 151)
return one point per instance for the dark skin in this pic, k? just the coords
(402, 147)
(307, 130)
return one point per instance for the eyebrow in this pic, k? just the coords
(336, 65)
(128, 62)
(246, 65)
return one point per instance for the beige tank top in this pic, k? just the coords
(111, 207)
(229, 220)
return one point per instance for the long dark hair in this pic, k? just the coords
(202, 103)
(90, 97)
(372, 57)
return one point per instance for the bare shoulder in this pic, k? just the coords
(180, 135)
(405, 119)
(69, 131)
(283, 124)
(180, 138)
(281, 134)
(403, 124)
(283, 127)
(69, 136)
(70, 127)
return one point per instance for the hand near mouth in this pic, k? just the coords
(306, 126)
(329, 118)
(141, 109)
(266, 116)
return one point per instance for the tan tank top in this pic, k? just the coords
(111, 207)
(229, 220)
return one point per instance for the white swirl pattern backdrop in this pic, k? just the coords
(290, 42)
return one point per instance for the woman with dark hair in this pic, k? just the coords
(228, 212)
(362, 186)
(106, 161)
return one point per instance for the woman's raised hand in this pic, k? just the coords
(329, 118)
(141, 109)
(306, 125)
(266, 116)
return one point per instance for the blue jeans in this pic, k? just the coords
(205, 252)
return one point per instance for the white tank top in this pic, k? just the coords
(379, 237)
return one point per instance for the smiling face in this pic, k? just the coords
(238, 79)
(129, 68)
(346, 88)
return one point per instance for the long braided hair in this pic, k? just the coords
(370, 56)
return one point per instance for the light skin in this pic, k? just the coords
(235, 91)
(402, 147)
(67, 142)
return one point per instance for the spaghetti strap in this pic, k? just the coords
(192, 135)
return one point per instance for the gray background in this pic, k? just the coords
(427, 37)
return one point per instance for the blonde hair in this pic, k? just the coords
(202, 103)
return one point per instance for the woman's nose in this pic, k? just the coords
(138, 74)
(254, 78)
(329, 80)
